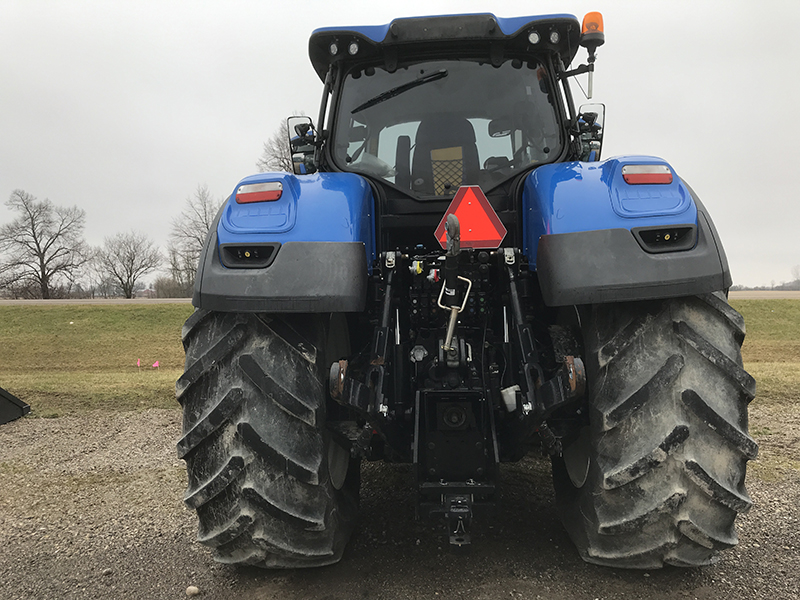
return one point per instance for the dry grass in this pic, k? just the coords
(771, 350)
(771, 354)
(62, 359)
(773, 330)
(67, 358)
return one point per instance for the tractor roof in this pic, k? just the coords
(439, 36)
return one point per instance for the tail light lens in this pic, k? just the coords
(646, 174)
(259, 192)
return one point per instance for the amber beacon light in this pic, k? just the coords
(592, 36)
(592, 31)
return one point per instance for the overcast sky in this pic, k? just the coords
(124, 107)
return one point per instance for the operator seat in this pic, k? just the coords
(445, 156)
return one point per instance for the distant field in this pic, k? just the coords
(771, 350)
(69, 358)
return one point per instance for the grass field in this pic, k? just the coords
(68, 358)
(771, 354)
(771, 350)
(65, 359)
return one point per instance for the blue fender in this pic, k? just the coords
(311, 250)
(592, 237)
(324, 207)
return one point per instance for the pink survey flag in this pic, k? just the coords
(138, 362)
(155, 365)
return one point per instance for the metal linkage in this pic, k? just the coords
(380, 341)
(454, 312)
(458, 513)
(541, 397)
(526, 347)
(368, 398)
(448, 297)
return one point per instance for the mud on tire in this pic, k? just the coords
(657, 475)
(270, 486)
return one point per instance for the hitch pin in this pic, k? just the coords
(454, 310)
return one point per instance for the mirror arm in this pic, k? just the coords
(577, 71)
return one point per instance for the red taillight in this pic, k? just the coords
(259, 192)
(641, 174)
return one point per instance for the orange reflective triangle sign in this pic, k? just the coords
(480, 225)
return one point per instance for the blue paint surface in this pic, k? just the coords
(324, 207)
(587, 196)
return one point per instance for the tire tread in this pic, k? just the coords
(668, 434)
(254, 441)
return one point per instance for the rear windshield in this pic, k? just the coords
(433, 126)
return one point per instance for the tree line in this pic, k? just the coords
(43, 253)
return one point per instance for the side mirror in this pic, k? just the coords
(302, 144)
(591, 120)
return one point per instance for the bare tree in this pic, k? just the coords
(99, 283)
(44, 245)
(188, 236)
(276, 155)
(167, 287)
(126, 257)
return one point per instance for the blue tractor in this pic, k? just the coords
(452, 278)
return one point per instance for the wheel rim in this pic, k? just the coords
(576, 459)
(338, 461)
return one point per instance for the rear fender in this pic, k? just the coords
(583, 234)
(308, 251)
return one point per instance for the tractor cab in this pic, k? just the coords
(433, 126)
(424, 106)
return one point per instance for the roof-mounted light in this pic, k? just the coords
(646, 174)
(555, 37)
(534, 37)
(259, 192)
(592, 34)
(352, 49)
(333, 48)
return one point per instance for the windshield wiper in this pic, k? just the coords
(435, 76)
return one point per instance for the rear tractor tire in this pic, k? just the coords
(657, 475)
(270, 486)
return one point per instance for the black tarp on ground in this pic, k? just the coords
(11, 407)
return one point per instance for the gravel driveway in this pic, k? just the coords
(90, 507)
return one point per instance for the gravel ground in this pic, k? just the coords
(90, 507)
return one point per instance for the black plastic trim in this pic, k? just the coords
(705, 219)
(304, 277)
(609, 265)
